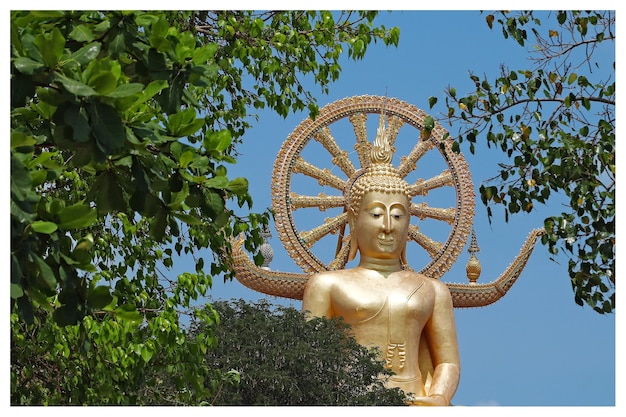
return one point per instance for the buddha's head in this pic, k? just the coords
(378, 191)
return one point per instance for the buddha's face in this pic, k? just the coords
(382, 225)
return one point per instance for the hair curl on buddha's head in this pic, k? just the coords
(380, 175)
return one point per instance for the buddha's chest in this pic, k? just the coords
(384, 301)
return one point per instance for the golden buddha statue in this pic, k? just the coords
(407, 315)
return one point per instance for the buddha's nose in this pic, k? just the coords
(387, 223)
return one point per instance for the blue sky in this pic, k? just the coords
(533, 347)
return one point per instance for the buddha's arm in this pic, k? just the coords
(316, 301)
(441, 333)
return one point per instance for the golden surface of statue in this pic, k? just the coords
(408, 316)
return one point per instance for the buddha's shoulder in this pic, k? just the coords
(328, 278)
(433, 283)
(438, 287)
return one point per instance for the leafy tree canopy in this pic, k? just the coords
(555, 121)
(282, 359)
(123, 125)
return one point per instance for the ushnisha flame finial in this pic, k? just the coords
(381, 151)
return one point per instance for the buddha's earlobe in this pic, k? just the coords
(354, 246)
(403, 256)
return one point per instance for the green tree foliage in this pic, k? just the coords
(123, 125)
(283, 359)
(556, 124)
(111, 362)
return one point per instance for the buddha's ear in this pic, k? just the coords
(354, 246)
(403, 256)
(351, 218)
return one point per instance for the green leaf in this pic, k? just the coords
(158, 224)
(186, 158)
(21, 180)
(146, 353)
(151, 90)
(99, 297)
(221, 219)
(572, 77)
(103, 82)
(51, 45)
(44, 301)
(45, 227)
(44, 109)
(77, 216)
(187, 218)
(204, 54)
(177, 197)
(429, 123)
(204, 73)
(83, 249)
(66, 315)
(238, 186)
(19, 139)
(117, 45)
(218, 182)
(26, 65)
(219, 141)
(214, 203)
(170, 98)
(184, 123)
(82, 33)
(45, 272)
(586, 103)
(76, 117)
(75, 87)
(107, 127)
(87, 53)
(16, 291)
(50, 96)
(126, 90)
(107, 193)
(129, 312)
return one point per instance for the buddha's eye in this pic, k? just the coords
(376, 213)
(397, 214)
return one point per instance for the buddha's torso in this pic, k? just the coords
(389, 313)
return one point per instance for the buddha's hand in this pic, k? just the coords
(434, 400)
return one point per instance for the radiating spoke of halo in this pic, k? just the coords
(329, 226)
(323, 176)
(422, 211)
(394, 125)
(422, 187)
(342, 255)
(409, 162)
(433, 248)
(321, 201)
(340, 157)
(362, 145)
